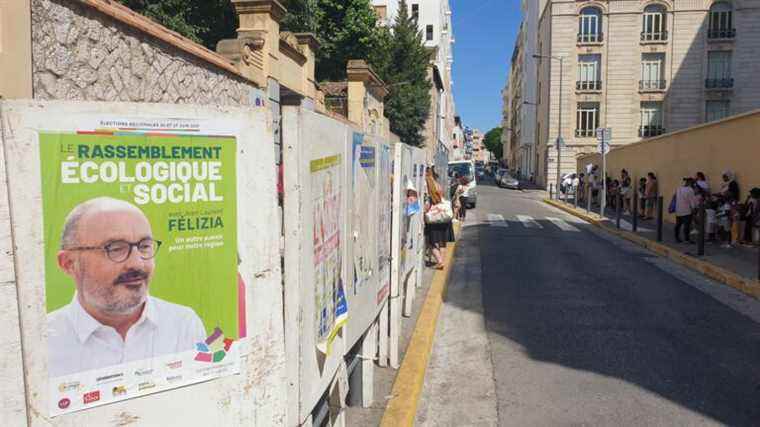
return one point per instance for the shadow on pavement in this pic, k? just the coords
(585, 303)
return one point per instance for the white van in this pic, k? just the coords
(466, 168)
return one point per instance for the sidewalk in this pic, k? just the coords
(740, 260)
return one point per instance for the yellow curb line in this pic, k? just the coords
(745, 285)
(407, 388)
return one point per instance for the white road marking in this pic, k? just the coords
(562, 225)
(528, 221)
(496, 220)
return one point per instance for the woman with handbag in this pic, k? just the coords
(438, 218)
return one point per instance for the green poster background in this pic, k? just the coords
(204, 279)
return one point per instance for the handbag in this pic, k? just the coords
(672, 207)
(440, 213)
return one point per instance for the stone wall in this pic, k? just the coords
(80, 53)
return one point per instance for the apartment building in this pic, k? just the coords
(642, 68)
(519, 107)
(434, 20)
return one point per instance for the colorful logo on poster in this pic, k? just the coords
(214, 348)
(92, 396)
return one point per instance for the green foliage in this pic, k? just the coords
(492, 141)
(403, 65)
(303, 16)
(202, 21)
(346, 29)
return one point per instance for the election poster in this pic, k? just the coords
(331, 307)
(364, 206)
(385, 208)
(140, 241)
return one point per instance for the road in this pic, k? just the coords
(549, 321)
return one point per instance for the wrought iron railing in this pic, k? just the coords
(719, 83)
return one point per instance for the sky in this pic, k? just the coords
(485, 32)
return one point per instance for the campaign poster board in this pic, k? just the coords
(402, 244)
(384, 195)
(419, 225)
(93, 187)
(363, 224)
(316, 308)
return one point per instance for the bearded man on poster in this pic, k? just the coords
(108, 249)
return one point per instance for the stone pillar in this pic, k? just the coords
(309, 44)
(362, 82)
(255, 50)
(15, 49)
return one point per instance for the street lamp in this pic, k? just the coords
(559, 127)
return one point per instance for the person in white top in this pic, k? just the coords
(108, 250)
(686, 202)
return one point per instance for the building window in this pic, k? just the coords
(587, 119)
(381, 12)
(652, 66)
(590, 25)
(654, 28)
(589, 73)
(651, 120)
(717, 110)
(719, 70)
(415, 11)
(721, 22)
(429, 33)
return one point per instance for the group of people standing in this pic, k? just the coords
(727, 218)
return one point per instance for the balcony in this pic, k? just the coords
(585, 133)
(588, 85)
(584, 38)
(651, 36)
(719, 83)
(650, 131)
(721, 34)
(652, 85)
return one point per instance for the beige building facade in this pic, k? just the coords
(434, 19)
(641, 68)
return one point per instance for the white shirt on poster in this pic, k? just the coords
(77, 342)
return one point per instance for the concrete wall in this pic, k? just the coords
(730, 144)
(80, 53)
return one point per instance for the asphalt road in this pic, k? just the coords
(583, 328)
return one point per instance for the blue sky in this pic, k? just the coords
(485, 32)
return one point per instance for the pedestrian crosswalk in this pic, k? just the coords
(527, 221)
(496, 220)
(562, 225)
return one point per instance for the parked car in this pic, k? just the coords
(507, 181)
(497, 175)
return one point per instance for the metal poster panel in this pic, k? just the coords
(385, 208)
(363, 208)
(329, 293)
(140, 245)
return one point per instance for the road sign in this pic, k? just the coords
(604, 134)
(603, 147)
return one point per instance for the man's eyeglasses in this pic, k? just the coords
(120, 250)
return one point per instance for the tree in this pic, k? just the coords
(403, 65)
(202, 21)
(492, 141)
(346, 29)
